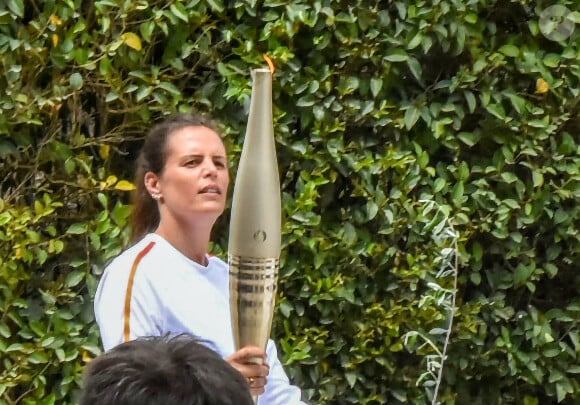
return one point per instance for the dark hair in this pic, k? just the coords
(145, 217)
(161, 371)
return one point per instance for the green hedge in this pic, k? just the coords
(410, 134)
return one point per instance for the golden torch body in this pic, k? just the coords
(255, 227)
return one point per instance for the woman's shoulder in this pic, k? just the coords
(143, 254)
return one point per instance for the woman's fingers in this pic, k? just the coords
(249, 354)
(257, 385)
(251, 369)
(250, 361)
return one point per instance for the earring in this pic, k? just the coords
(156, 197)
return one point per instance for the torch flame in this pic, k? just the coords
(270, 63)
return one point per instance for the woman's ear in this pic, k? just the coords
(152, 184)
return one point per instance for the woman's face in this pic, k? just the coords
(195, 177)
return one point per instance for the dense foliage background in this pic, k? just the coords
(403, 128)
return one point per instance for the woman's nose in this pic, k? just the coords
(210, 169)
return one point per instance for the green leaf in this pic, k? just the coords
(144, 91)
(74, 278)
(457, 193)
(415, 40)
(15, 347)
(411, 116)
(470, 98)
(518, 102)
(38, 357)
(496, 110)
(216, 5)
(463, 171)
(285, 308)
(41, 256)
(397, 55)
(5, 330)
(103, 200)
(538, 178)
(376, 86)
(563, 388)
(522, 274)
(574, 16)
(16, 6)
(537, 123)
(575, 369)
(351, 378)
(552, 60)
(468, 138)
(513, 204)
(111, 96)
(560, 216)
(77, 229)
(170, 88)
(438, 185)
(372, 210)
(46, 342)
(306, 101)
(415, 68)
(350, 235)
(121, 213)
(76, 81)
(551, 269)
(146, 30)
(509, 177)
(471, 18)
(510, 50)
(179, 11)
(5, 217)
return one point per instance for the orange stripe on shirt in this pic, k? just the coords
(127, 321)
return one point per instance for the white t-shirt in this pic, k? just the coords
(152, 289)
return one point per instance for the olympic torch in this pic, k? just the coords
(255, 225)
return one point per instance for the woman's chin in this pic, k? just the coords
(210, 207)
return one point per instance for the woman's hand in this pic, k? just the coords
(251, 362)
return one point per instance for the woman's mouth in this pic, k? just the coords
(210, 190)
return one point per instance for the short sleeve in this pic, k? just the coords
(279, 391)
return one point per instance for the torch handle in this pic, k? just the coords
(255, 360)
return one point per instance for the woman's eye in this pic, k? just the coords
(191, 162)
(219, 163)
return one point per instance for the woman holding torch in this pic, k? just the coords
(166, 283)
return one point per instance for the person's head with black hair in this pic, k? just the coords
(163, 371)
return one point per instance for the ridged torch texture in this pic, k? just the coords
(252, 296)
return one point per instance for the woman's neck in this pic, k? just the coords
(191, 240)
